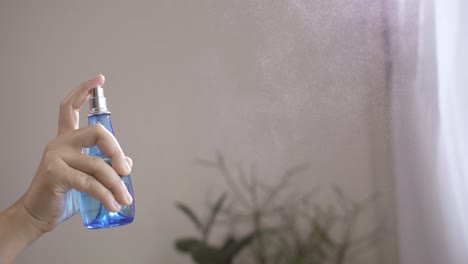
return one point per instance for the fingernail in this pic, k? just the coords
(129, 198)
(127, 166)
(129, 161)
(100, 76)
(117, 206)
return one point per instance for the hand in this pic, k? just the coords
(63, 167)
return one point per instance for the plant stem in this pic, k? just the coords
(260, 241)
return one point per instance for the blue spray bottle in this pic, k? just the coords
(93, 213)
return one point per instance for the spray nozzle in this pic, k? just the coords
(97, 102)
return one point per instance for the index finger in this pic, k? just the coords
(98, 135)
(70, 106)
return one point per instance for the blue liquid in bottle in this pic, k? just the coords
(93, 213)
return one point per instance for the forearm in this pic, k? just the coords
(18, 229)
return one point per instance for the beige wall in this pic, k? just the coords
(273, 83)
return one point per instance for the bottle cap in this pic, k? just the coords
(98, 102)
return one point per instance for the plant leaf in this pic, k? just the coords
(191, 215)
(213, 214)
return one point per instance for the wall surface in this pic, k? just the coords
(272, 83)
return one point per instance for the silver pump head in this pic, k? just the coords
(98, 102)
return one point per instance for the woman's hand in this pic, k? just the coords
(49, 199)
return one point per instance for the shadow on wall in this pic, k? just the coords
(273, 224)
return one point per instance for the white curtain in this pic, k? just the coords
(430, 128)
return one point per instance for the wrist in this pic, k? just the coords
(18, 229)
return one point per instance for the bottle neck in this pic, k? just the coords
(105, 120)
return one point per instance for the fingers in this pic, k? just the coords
(69, 116)
(102, 172)
(98, 135)
(83, 182)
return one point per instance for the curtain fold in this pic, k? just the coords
(451, 42)
(430, 129)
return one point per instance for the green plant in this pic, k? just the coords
(287, 227)
(200, 248)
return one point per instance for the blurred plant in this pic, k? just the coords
(200, 249)
(286, 227)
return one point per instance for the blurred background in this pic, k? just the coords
(269, 84)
